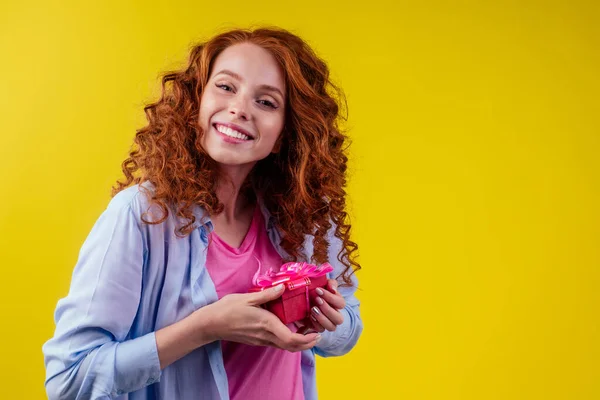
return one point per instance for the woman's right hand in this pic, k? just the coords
(238, 318)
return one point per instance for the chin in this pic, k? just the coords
(232, 158)
(226, 159)
(230, 162)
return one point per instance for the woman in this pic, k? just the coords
(241, 165)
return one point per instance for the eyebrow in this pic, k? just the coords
(239, 78)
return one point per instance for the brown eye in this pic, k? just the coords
(267, 103)
(225, 87)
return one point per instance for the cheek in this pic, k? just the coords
(274, 127)
(207, 107)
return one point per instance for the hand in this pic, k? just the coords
(237, 318)
(325, 315)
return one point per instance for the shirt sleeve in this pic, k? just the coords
(90, 355)
(345, 337)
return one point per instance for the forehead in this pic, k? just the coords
(255, 65)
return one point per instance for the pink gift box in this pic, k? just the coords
(300, 282)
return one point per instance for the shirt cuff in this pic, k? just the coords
(137, 364)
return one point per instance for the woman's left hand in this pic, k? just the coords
(325, 315)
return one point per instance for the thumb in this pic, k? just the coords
(265, 296)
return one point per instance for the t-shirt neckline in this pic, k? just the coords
(248, 240)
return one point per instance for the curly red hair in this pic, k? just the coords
(302, 185)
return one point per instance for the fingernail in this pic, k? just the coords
(316, 311)
(313, 318)
(319, 291)
(278, 287)
(319, 301)
(318, 339)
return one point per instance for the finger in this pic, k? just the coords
(322, 319)
(309, 345)
(331, 313)
(287, 339)
(334, 300)
(302, 347)
(299, 325)
(306, 330)
(258, 298)
(292, 339)
(332, 285)
(316, 325)
(293, 343)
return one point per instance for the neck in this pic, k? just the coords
(228, 192)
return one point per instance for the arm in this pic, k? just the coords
(89, 355)
(345, 337)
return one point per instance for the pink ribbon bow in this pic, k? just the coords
(293, 274)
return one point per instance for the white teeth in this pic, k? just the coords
(232, 133)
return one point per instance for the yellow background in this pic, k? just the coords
(474, 189)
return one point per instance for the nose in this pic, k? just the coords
(239, 108)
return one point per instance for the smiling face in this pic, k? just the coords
(242, 106)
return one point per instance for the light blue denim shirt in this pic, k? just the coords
(132, 279)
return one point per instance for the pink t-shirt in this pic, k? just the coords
(253, 372)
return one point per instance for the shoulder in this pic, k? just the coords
(126, 197)
(135, 199)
